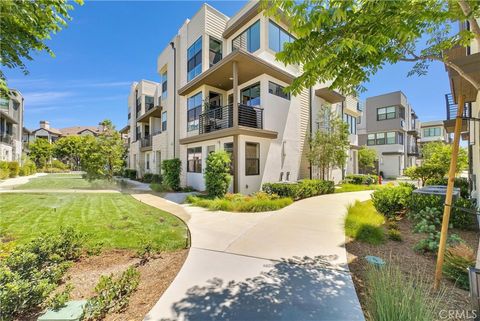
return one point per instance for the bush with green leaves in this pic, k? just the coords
(460, 182)
(361, 179)
(394, 235)
(32, 271)
(59, 164)
(171, 173)
(60, 299)
(4, 171)
(112, 294)
(424, 172)
(217, 174)
(130, 173)
(302, 189)
(391, 200)
(28, 168)
(458, 259)
(147, 177)
(13, 169)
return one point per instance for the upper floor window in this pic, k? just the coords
(277, 37)
(137, 133)
(251, 95)
(277, 90)
(386, 113)
(351, 122)
(164, 85)
(431, 132)
(149, 102)
(249, 39)
(371, 139)
(387, 138)
(138, 106)
(390, 138)
(194, 109)
(164, 121)
(215, 51)
(400, 138)
(194, 59)
(4, 102)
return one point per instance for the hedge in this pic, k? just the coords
(361, 179)
(171, 173)
(302, 189)
(130, 173)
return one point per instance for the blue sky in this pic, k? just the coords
(109, 44)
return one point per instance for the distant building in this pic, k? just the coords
(52, 134)
(433, 131)
(11, 127)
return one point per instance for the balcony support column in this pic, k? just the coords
(236, 147)
(235, 93)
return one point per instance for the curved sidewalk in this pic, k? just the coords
(285, 265)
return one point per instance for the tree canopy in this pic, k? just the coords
(25, 26)
(366, 158)
(345, 42)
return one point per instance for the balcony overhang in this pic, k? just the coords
(414, 132)
(221, 75)
(233, 131)
(449, 125)
(471, 65)
(329, 95)
(154, 112)
(393, 153)
(124, 130)
(8, 117)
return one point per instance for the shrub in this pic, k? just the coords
(364, 223)
(130, 173)
(302, 189)
(217, 174)
(424, 172)
(457, 260)
(112, 294)
(156, 178)
(361, 179)
(160, 188)
(147, 177)
(394, 235)
(171, 173)
(4, 171)
(60, 299)
(59, 164)
(391, 200)
(392, 295)
(13, 169)
(460, 182)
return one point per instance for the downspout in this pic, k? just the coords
(343, 166)
(172, 44)
(310, 123)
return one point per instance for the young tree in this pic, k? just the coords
(71, 150)
(439, 154)
(40, 152)
(366, 159)
(346, 41)
(25, 26)
(329, 145)
(217, 174)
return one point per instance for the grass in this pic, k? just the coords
(116, 220)
(343, 188)
(260, 202)
(364, 223)
(66, 181)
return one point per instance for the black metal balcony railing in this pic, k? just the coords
(6, 138)
(222, 117)
(149, 106)
(452, 108)
(146, 141)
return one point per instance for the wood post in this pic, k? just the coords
(235, 93)
(449, 195)
(236, 163)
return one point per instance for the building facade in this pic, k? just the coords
(390, 127)
(45, 131)
(11, 127)
(221, 88)
(433, 131)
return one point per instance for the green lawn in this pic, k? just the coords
(116, 220)
(364, 223)
(66, 181)
(343, 188)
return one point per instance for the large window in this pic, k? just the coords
(251, 95)
(432, 132)
(249, 40)
(387, 138)
(277, 37)
(194, 160)
(164, 85)
(164, 121)
(215, 48)
(380, 139)
(194, 105)
(277, 90)
(252, 159)
(351, 122)
(391, 138)
(4, 102)
(386, 113)
(371, 139)
(194, 59)
(149, 102)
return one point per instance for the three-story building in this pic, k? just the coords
(11, 127)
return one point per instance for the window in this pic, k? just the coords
(194, 59)
(138, 107)
(252, 159)
(228, 148)
(164, 85)
(147, 161)
(432, 132)
(386, 113)
(249, 40)
(277, 37)
(194, 160)
(400, 138)
(380, 139)
(164, 121)
(4, 102)
(215, 48)
(250, 96)
(146, 132)
(149, 102)
(391, 138)
(137, 133)
(277, 90)
(194, 105)
(351, 122)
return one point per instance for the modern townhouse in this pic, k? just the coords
(391, 127)
(433, 131)
(45, 131)
(11, 127)
(469, 60)
(221, 88)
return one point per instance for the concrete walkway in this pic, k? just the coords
(10, 183)
(288, 265)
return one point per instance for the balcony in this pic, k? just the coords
(222, 118)
(152, 111)
(146, 143)
(451, 111)
(470, 64)
(6, 139)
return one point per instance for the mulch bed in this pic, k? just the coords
(402, 254)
